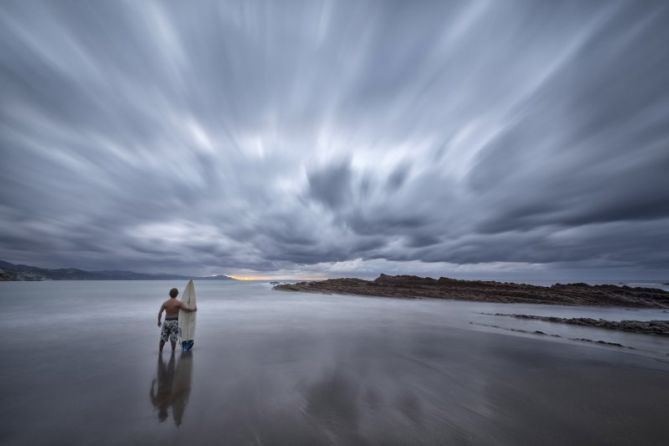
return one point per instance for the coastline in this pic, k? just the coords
(412, 287)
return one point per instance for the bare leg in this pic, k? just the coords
(162, 344)
(174, 344)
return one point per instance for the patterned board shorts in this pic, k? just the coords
(170, 330)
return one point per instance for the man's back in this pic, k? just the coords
(171, 307)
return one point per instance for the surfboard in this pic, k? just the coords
(187, 318)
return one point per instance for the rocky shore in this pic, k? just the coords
(660, 328)
(488, 291)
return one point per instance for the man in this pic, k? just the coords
(170, 329)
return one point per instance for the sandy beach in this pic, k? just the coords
(292, 368)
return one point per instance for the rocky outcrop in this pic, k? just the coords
(488, 291)
(644, 327)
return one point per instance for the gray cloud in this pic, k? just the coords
(331, 185)
(332, 138)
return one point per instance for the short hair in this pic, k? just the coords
(174, 293)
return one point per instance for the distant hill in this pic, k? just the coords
(9, 271)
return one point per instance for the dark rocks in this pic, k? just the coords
(660, 328)
(489, 291)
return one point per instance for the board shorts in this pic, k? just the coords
(170, 330)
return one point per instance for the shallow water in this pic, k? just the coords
(80, 366)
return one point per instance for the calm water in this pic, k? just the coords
(80, 366)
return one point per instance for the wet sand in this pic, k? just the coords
(289, 368)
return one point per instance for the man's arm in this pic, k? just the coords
(160, 313)
(186, 308)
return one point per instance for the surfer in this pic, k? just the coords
(170, 328)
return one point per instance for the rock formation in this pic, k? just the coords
(488, 291)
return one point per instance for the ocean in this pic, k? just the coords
(80, 365)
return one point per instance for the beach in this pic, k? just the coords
(81, 366)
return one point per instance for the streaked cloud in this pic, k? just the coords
(335, 138)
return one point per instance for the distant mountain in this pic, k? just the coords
(9, 271)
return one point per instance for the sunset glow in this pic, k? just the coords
(251, 277)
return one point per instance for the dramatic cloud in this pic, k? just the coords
(335, 138)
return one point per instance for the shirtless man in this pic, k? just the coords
(170, 329)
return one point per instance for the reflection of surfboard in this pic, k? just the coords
(181, 386)
(187, 318)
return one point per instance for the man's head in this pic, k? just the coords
(174, 293)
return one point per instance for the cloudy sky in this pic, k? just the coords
(472, 138)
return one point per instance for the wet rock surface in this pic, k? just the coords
(488, 291)
(660, 328)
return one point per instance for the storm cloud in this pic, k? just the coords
(336, 138)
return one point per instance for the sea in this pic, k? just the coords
(80, 366)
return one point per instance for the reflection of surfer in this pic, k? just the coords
(173, 386)
(162, 396)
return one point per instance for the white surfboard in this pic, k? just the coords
(187, 318)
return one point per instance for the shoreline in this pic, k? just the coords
(413, 287)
